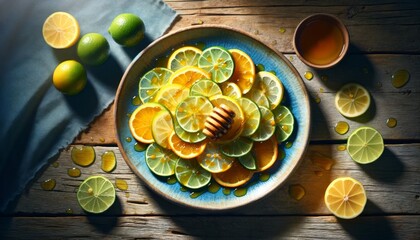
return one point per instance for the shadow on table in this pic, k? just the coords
(388, 168)
(107, 221)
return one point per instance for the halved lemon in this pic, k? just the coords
(365, 145)
(61, 30)
(184, 57)
(160, 161)
(244, 73)
(162, 128)
(185, 149)
(190, 174)
(205, 88)
(171, 95)
(151, 82)
(140, 121)
(218, 62)
(235, 176)
(270, 86)
(352, 100)
(213, 160)
(192, 112)
(187, 76)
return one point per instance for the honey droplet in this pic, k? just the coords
(321, 160)
(101, 139)
(240, 192)
(342, 147)
(69, 211)
(288, 144)
(308, 75)
(196, 194)
(140, 147)
(317, 99)
(83, 155)
(214, 187)
(48, 185)
(136, 101)
(109, 161)
(171, 180)
(74, 172)
(264, 177)
(282, 30)
(200, 45)
(226, 191)
(296, 191)
(341, 127)
(127, 194)
(400, 78)
(391, 122)
(128, 139)
(121, 184)
(319, 173)
(282, 154)
(55, 164)
(260, 67)
(321, 90)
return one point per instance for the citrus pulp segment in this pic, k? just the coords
(151, 82)
(184, 57)
(192, 112)
(265, 153)
(213, 160)
(160, 161)
(162, 128)
(248, 161)
(257, 96)
(188, 136)
(345, 197)
(238, 147)
(266, 127)
(284, 123)
(244, 72)
(235, 176)
(218, 62)
(230, 89)
(252, 116)
(205, 88)
(96, 194)
(140, 122)
(185, 149)
(352, 100)
(270, 86)
(187, 76)
(365, 145)
(171, 95)
(61, 30)
(190, 174)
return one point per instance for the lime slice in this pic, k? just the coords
(284, 123)
(151, 82)
(230, 89)
(218, 62)
(267, 126)
(160, 161)
(213, 160)
(352, 100)
(162, 128)
(187, 136)
(258, 97)
(365, 145)
(192, 112)
(252, 116)
(171, 95)
(183, 57)
(190, 174)
(205, 88)
(96, 194)
(237, 147)
(270, 86)
(248, 161)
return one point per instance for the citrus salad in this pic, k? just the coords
(181, 117)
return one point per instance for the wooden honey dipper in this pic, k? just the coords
(218, 122)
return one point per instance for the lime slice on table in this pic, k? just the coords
(270, 86)
(141, 119)
(205, 88)
(188, 136)
(171, 95)
(248, 161)
(252, 116)
(365, 145)
(192, 112)
(244, 73)
(160, 161)
(184, 57)
(162, 128)
(267, 126)
(352, 100)
(151, 82)
(284, 123)
(237, 147)
(218, 62)
(213, 160)
(187, 76)
(230, 89)
(96, 194)
(258, 96)
(190, 174)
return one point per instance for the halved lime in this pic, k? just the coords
(190, 174)
(188, 136)
(230, 89)
(151, 82)
(162, 128)
(171, 95)
(248, 161)
(205, 88)
(270, 86)
(160, 161)
(213, 160)
(96, 194)
(183, 57)
(365, 145)
(267, 126)
(192, 112)
(284, 123)
(257, 96)
(237, 147)
(252, 116)
(352, 100)
(218, 62)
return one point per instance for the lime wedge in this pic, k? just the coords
(160, 161)
(267, 126)
(205, 88)
(162, 128)
(252, 116)
(151, 82)
(365, 145)
(190, 174)
(192, 112)
(237, 148)
(352, 100)
(213, 160)
(248, 161)
(270, 86)
(284, 123)
(96, 194)
(184, 57)
(218, 62)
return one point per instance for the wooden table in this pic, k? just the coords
(384, 38)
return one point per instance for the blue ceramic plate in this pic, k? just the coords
(296, 99)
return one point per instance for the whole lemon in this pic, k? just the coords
(127, 29)
(69, 77)
(93, 49)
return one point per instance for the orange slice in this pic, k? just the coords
(265, 153)
(244, 73)
(61, 30)
(186, 150)
(187, 76)
(141, 119)
(235, 176)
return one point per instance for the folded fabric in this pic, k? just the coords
(36, 120)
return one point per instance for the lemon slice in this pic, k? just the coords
(267, 126)
(365, 145)
(248, 161)
(190, 174)
(345, 197)
(187, 76)
(284, 123)
(171, 95)
(162, 128)
(238, 147)
(184, 57)
(61, 30)
(140, 121)
(270, 86)
(151, 82)
(96, 194)
(252, 116)
(230, 89)
(160, 161)
(213, 160)
(244, 73)
(218, 62)
(205, 88)
(235, 176)
(352, 100)
(192, 112)
(188, 136)
(257, 96)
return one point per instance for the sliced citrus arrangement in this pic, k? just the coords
(188, 136)
(184, 57)
(151, 82)
(235, 176)
(252, 116)
(266, 127)
(61, 30)
(218, 62)
(213, 160)
(190, 174)
(96, 194)
(248, 161)
(205, 88)
(160, 161)
(258, 96)
(284, 121)
(237, 148)
(162, 128)
(365, 145)
(352, 100)
(187, 76)
(192, 112)
(265, 153)
(230, 89)
(244, 72)
(186, 150)
(140, 122)
(345, 197)
(171, 95)
(270, 86)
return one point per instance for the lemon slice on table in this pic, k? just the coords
(171, 95)
(151, 82)
(218, 62)
(96, 194)
(192, 112)
(61, 30)
(266, 127)
(252, 116)
(205, 88)
(345, 197)
(270, 86)
(140, 121)
(235, 176)
(184, 149)
(365, 145)
(162, 128)
(187, 76)
(188, 136)
(257, 96)
(352, 100)
(237, 148)
(230, 89)
(184, 57)
(190, 174)
(284, 123)
(213, 160)
(160, 161)
(244, 73)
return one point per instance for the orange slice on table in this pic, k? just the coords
(61, 30)
(187, 76)
(265, 153)
(235, 176)
(244, 73)
(141, 119)
(186, 150)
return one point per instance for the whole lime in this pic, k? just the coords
(69, 77)
(93, 49)
(127, 29)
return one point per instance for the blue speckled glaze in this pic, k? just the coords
(296, 100)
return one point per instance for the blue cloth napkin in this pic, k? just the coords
(36, 120)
